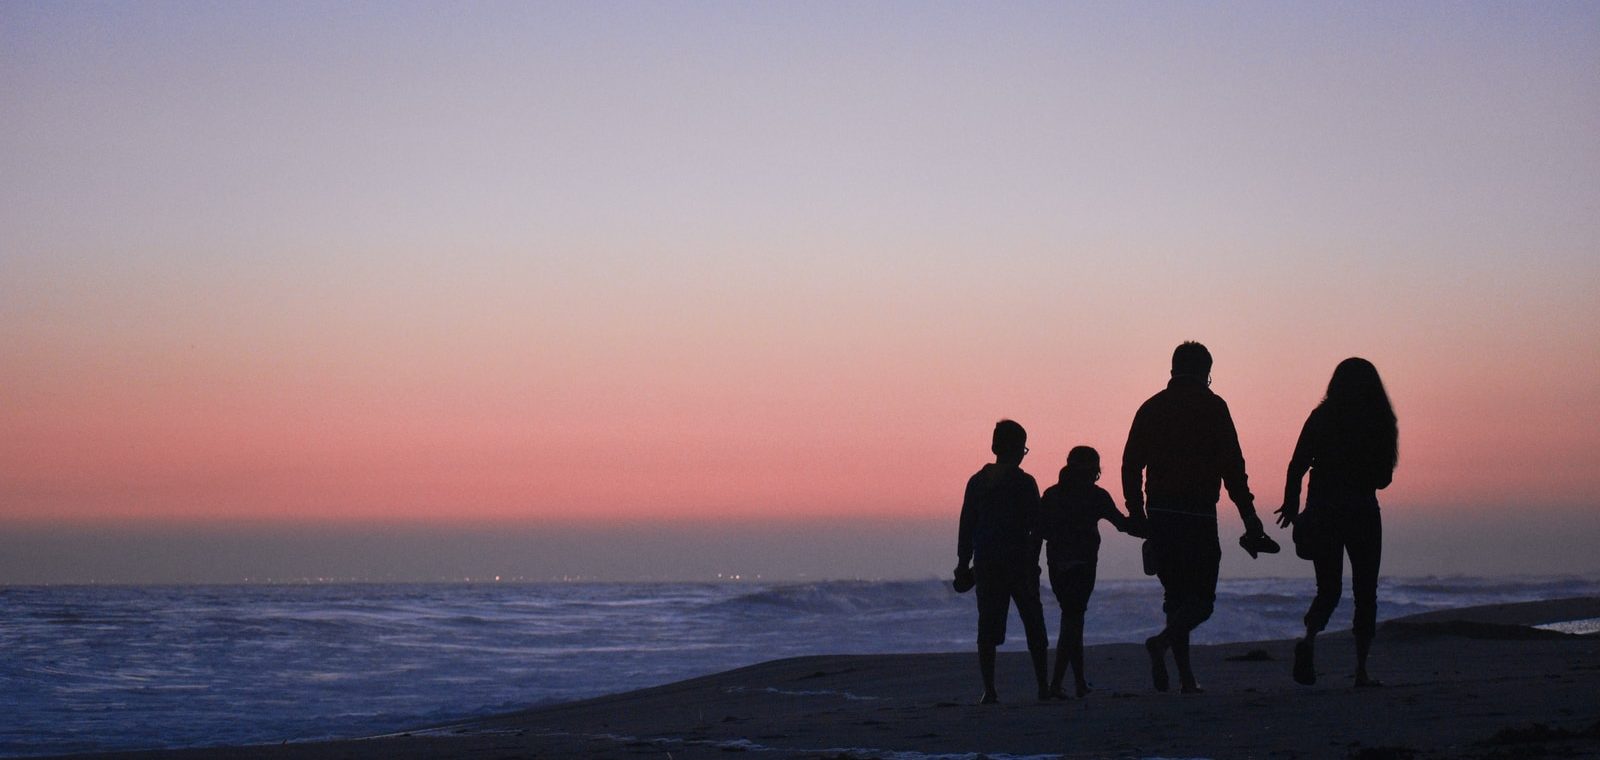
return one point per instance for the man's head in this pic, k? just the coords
(1191, 359)
(1010, 441)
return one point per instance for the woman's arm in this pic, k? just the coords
(1299, 463)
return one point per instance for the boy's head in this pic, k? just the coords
(1010, 441)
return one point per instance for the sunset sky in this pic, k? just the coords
(598, 267)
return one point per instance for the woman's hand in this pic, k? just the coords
(1286, 514)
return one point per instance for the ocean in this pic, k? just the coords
(94, 668)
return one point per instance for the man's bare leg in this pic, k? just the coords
(1180, 655)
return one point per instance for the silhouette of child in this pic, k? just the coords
(1071, 511)
(998, 546)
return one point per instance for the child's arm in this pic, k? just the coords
(1108, 512)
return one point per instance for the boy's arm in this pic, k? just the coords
(1035, 517)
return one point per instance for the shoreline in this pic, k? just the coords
(1469, 682)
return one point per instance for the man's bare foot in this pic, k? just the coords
(989, 698)
(1157, 647)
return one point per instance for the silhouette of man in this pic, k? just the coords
(1181, 444)
(998, 546)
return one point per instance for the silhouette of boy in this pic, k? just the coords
(1181, 444)
(1071, 511)
(999, 546)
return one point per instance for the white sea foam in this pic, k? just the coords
(1578, 627)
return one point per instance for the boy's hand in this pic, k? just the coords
(964, 579)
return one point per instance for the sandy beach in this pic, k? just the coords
(1480, 682)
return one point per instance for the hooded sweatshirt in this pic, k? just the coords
(1000, 518)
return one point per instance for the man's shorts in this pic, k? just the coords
(1188, 557)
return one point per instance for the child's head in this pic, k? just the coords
(1083, 465)
(1010, 441)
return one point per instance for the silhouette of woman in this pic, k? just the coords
(1350, 444)
(1070, 512)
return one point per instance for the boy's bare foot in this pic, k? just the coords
(1157, 647)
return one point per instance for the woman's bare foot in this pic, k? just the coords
(1157, 647)
(1305, 669)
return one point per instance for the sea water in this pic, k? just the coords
(88, 668)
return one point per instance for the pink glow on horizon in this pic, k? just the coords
(851, 434)
(783, 263)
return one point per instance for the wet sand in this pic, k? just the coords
(1471, 683)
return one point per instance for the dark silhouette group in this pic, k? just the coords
(1182, 450)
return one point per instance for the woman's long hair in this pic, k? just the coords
(1359, 415)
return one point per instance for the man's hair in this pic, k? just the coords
(1192, 359)
(1009, 438)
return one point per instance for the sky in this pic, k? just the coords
(661, 290)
